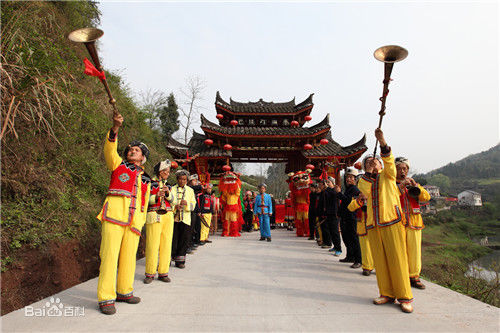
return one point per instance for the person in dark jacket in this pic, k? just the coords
(313, 207)
(195, 219)
(331, 208)
(348, 224)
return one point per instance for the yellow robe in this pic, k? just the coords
(414, 225)
(119, 242)
(364, 243)
(159, 233)
(386, 232)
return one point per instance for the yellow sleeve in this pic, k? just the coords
(191, 201)
(389, 166)
(113, 160)
(365, 186)
(353, 205)
(424, 195)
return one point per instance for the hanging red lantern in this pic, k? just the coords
(358, 165)
(294, 123)
(308, 118)
(219, 116)
(310, 166)
(308, 146)
(228, 147)
(324, 141)
(226, 168)
(184, 164)
(233, 122)
(209, 142)
(174, 165)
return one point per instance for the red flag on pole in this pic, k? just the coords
(92, 71)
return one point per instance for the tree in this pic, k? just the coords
(151, 102)
(190, 110)
(169, 117)
(441, 181)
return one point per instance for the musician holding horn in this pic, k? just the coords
(206, 205)
(411, 196)
(159, 226)
(386, 232)
(123, 215)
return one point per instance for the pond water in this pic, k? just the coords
(482, 267)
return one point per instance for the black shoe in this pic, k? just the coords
(164, 279)
(108, 309)
(208, 241)
(346, 260)
(268, 239)
(202, 243)
(310, 238)
(148, 280)
(180, 265)
(189, 251)
(129, 300)
(366, 272)
(195, 245)
(262, 239)
(356, 265)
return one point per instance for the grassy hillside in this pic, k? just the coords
(55, 118)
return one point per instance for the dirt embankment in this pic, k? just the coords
(38, 274)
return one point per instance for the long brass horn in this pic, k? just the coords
(388, 54)
(88, 36)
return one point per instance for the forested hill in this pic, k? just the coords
(483, 165)
(54, 122)
(478, 172)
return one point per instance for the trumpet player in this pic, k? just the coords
(123, 215)
(159, 226)
(183, 201)
(358, 206)
(206, 206)
(386, 231)
(411, 195)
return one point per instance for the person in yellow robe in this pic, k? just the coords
(206, 205)
(159, 226)
(123, 215)
(358, 205)
(386, 231)
(183, 201)
(411, 196)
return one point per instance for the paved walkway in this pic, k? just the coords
(242, 284)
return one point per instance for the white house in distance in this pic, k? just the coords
(469, 198)
(433, 191)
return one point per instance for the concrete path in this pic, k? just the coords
(242, 284)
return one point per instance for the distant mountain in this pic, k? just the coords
(478, 166)
(478, 172)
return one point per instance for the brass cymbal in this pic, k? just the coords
(85, 35)
(390, 53)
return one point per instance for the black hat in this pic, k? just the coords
(141, 145)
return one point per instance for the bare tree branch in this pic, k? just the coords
(192, 95)
(151, 101)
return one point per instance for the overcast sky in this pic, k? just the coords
(443, 103)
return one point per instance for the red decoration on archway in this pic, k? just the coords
(308, 118)
(294, 123)
(358, 165)
(228, 147)
(174, 165)
(226, 168)
(219, 116)
(233, 122)
(209, 142)
(308, 146)
(324, 141)
(310, 166)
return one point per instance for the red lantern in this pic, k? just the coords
(219, 116)
(233, 122)
(228, 147)
(358, 165)
(209, 142)
(310, 166)
(324, 141)
(308, 118)
(174, 165)
(294, 123)
(226, 168)
(308, 146)
(184, 164)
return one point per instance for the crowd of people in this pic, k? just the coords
(376, 215)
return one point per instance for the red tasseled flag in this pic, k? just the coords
(324, 174)
(92, 71)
